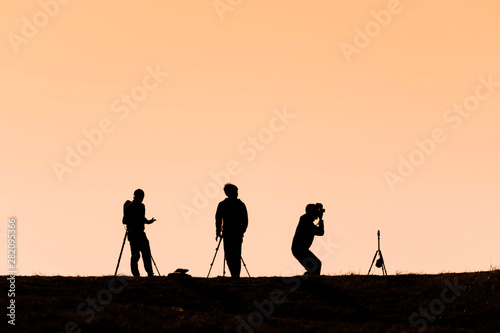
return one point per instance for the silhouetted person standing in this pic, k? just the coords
(231, 222)
(135, 217)
(304, 236)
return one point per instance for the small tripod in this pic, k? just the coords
(224, 264)
(121, 251)
(380, 262)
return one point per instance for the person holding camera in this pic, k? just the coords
(134, 217)
(231, 222)
(304, 236)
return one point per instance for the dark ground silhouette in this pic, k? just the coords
(348, 303)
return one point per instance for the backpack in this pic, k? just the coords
(126, 211)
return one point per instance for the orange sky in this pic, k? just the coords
(171, 92)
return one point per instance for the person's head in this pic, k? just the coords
(231, 191)
(138, 195)
(313, 210)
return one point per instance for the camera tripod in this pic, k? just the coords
(224, 264)
(120, 257)
(380, 262)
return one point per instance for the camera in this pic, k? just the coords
(320, 208)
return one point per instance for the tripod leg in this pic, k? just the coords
(216, 250)
(244, 265)
(155, 265)
(121, 251)
(374, 257)
(224, 266)
(384, 271)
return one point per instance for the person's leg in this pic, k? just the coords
(308, 260)
(300, 256)
(232, 249)
(134, 259)
(237, 256)
(311, 263)
(146, 255)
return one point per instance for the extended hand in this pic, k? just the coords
(152, 220)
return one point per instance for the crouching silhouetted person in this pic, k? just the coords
(134, 217)
(304, 236)
(231, 222)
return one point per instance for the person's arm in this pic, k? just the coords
(320, 229)
(218, 221)
(244, 222)
(143, 213)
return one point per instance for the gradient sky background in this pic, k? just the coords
(226, 79)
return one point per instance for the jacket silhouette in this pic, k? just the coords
(134, 218)
(304, 236)
(231, 222)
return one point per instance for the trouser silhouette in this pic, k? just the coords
(307, 259)
(232, 250)
(139, 243)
